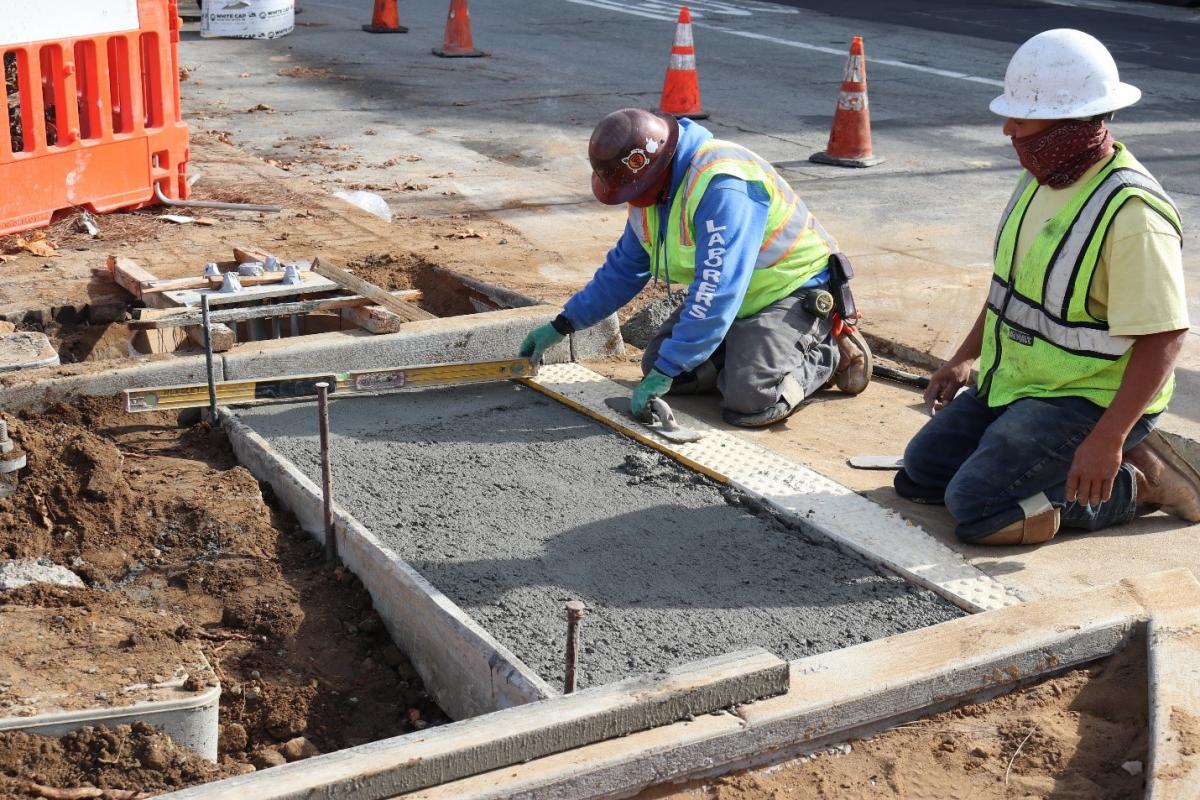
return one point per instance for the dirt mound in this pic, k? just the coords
(135, 757)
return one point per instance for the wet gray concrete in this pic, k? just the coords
(513, 504)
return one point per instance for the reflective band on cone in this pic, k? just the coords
(681, 87)
(850, 138)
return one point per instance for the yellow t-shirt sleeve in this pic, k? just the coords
(1138, 283)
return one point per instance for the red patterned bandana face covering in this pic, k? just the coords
(1057, 156)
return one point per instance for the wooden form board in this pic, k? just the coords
(406, 311)
(152, 319)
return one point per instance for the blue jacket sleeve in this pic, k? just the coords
(730, 223)
(624, 272)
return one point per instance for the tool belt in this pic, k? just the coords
(822, 301)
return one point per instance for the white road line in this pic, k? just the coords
(613, 5)
(1136, 9)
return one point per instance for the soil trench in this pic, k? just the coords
(162, 524)
(513, 504)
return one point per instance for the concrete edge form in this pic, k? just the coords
(415, 761)
(462, 665)
(1174, 672)
(853, 692)
(804, 497)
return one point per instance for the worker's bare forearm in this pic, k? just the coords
(1150, 365)
(972, 345)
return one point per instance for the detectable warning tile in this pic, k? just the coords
(806, 497)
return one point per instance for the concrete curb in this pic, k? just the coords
(36, 388)
(858, 691)
(1174, 769)
(408, 763)
(462, 665)
(474, 337)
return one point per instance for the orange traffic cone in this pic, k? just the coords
(385, 18)
(850, 138)
(458, 42)
(681, 87)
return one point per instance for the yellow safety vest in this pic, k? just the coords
(795, 247)
(1039, 339)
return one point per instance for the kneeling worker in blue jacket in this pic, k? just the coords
(714, 217)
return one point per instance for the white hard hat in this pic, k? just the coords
(1062, 74)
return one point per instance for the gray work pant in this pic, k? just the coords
(781, 353)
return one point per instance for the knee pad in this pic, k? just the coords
(909, 489)
(1039, 524)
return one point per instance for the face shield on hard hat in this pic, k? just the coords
(630, 150)
(1062, 74)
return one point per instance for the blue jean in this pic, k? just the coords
(984, 461)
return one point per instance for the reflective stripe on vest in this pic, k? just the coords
(1040, 339)
(1092, 341)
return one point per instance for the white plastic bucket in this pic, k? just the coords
(248, 19)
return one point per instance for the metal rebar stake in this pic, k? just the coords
(326, 471)
(208, 363)
(575, 610)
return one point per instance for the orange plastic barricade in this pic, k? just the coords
(91, 119)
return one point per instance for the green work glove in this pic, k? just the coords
(539, 340)
(655, 384)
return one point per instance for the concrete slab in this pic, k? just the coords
(407, 763)
(1174, 768)
(854, 692)
(461, 664)
(834, 427)
(806, 498)
(512, 504)
(26, 350)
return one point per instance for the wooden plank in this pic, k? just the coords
(130, 275)
(152, 319)
(374, 319)
(515, 735)
(313, 284)
(1174, 667)
(249, 255)
(406, 311)
(201, 282)
(223, 337)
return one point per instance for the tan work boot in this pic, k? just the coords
(854, 363)
(1165, 480)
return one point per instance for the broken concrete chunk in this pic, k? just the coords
(22, 572)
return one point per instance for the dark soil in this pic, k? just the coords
(162, 515)
(107, 758)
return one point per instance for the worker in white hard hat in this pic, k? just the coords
(1077, 341)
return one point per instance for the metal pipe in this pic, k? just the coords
(166, 201)
(326, 471)
(575, 610)
(208, 362)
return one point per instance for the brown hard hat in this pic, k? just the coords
(630, 150)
